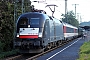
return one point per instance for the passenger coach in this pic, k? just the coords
(70, 32)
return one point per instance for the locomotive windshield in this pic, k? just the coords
(23, 21)
(31, 20)
(34, 21)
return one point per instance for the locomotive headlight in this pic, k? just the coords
(29, 26)
(40, 34)
(17, 35)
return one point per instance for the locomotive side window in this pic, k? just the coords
(34, 21)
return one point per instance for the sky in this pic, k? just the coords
(82, 8)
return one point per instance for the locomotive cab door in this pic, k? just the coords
(46, 33)
(54, 30)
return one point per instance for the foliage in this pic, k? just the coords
(5, 54)
(70, 18)
(6, 27)
(7, 22)
(85, 48)
(26, 6)
(85, 51)
(1, 45)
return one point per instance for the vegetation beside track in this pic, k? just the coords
(84, 53)
(7, 25)
(9, 53)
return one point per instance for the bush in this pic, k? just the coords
(9, 53)
(6, 26)
(85, 51)
(1, 47)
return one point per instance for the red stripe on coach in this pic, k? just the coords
(28, 36)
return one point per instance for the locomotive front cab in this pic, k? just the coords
(30, 31)
(28, 28)
(31, 23)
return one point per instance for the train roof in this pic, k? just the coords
(69, 25)
(33, 14)
(28, 13)
(45, 16)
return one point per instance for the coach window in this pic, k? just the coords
(69, 30)
(76, 31)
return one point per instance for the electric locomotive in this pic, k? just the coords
(37, 31)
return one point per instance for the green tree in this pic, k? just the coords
(70, 18)
(7, 22)
(18, 7)
(6, 26)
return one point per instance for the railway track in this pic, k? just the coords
(19, 57)
(13, 58)
(33, 56)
